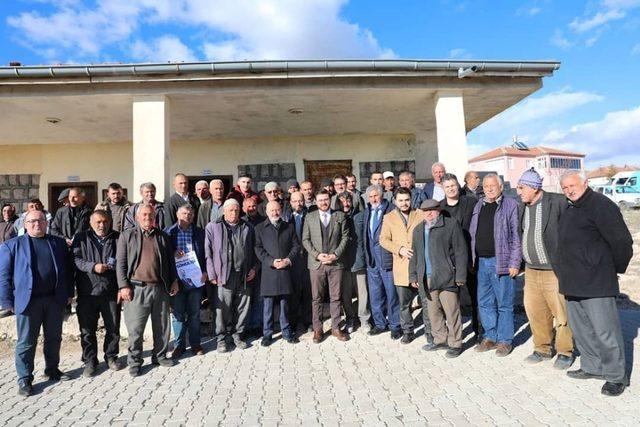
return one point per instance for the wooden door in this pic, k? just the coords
(55, 188)
(316, 170)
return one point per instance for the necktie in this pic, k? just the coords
(374, 220)
(325, 219)
(298, 219)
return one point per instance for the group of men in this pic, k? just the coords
(289, 250)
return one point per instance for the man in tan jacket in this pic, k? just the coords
(396, 236)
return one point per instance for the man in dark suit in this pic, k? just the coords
(36, 282)
(460, 208)
(181, 197)
(300, 299)
(72, 218)
(385, 305)
(186, 237)
(325, 236)
(434, 189)
(147, 278)
(276, 247)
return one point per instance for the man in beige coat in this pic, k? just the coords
(396, 236)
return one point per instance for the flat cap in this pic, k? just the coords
(429, 205)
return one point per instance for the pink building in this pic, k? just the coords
(511, 162)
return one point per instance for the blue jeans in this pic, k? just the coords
(385, 305)
(495, 302)
(186, 317)
(42, 312)
(267, 320)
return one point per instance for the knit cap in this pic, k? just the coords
(531, 178)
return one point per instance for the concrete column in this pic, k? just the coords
(451, 132)
(426, 153)
(151, 144)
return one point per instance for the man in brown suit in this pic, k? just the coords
(325, 236)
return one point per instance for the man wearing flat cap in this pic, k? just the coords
(438, 268)
(540, 214)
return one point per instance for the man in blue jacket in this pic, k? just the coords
(186, 237)
(36, 283)
(385, 305)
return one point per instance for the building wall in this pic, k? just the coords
(110, 162)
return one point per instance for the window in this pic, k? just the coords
(510, 163)
(608, 191)
(565, 163)
(542, 162)
(632, 181)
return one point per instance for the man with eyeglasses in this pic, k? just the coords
(36, 283)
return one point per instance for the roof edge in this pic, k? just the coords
(511, 68)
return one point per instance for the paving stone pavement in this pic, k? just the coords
(366, 381)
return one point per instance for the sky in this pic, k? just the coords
(591, 105)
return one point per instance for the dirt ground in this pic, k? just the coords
(629, 289)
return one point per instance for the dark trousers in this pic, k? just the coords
(347, 288)
(267, 320)
(596, 330)
(257, 305)
(472, 288)
(406, 295)
(326, 276)
(89, 309)
(42, 312)
(300, 298)
(147, 301)
(232, 308)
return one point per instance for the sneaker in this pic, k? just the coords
(56, 375)
(177, 352)
(349, 327)
(485, 345)
(579, 374)
(563, 362)
(240, 344)
(134, 371)
(89, 370)
(407, 338)
(376, 331)
(166, 362)
(434, 346)
(222, 347)
(503, 349)
(114, 364)
(453, 352)
(612, 389)
(25, 389)
(365, 328)
(537, 357)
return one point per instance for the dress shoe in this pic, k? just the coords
(317, 336)
(453, 352)
(485, 345)
(407, 338)
(89, 370)
(341, 336)
(433, 346)
(612, 389)
(537, 357)
(503, 349)
(266, 341)
(5, 313)
(197, 351)
(579, 374)
(166, 362)
(292, 340)
(222, 347)
(134, 371)
(396, 335)
(177, 352)
(25, 389)
(114, 364)
(376, 331)
(563, 362)
(56, 375)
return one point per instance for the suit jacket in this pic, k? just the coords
(204, 213)
(312, 238)
(376, 255)
(128, 257)
(428, 190)
(553, 206)
(394, 235)
(162, 219)
(276, 243)
(61, 225)
(16, 278)
(447, 253)
(175, 201)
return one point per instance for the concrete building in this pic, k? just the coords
(131, 123)
(511, 162)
